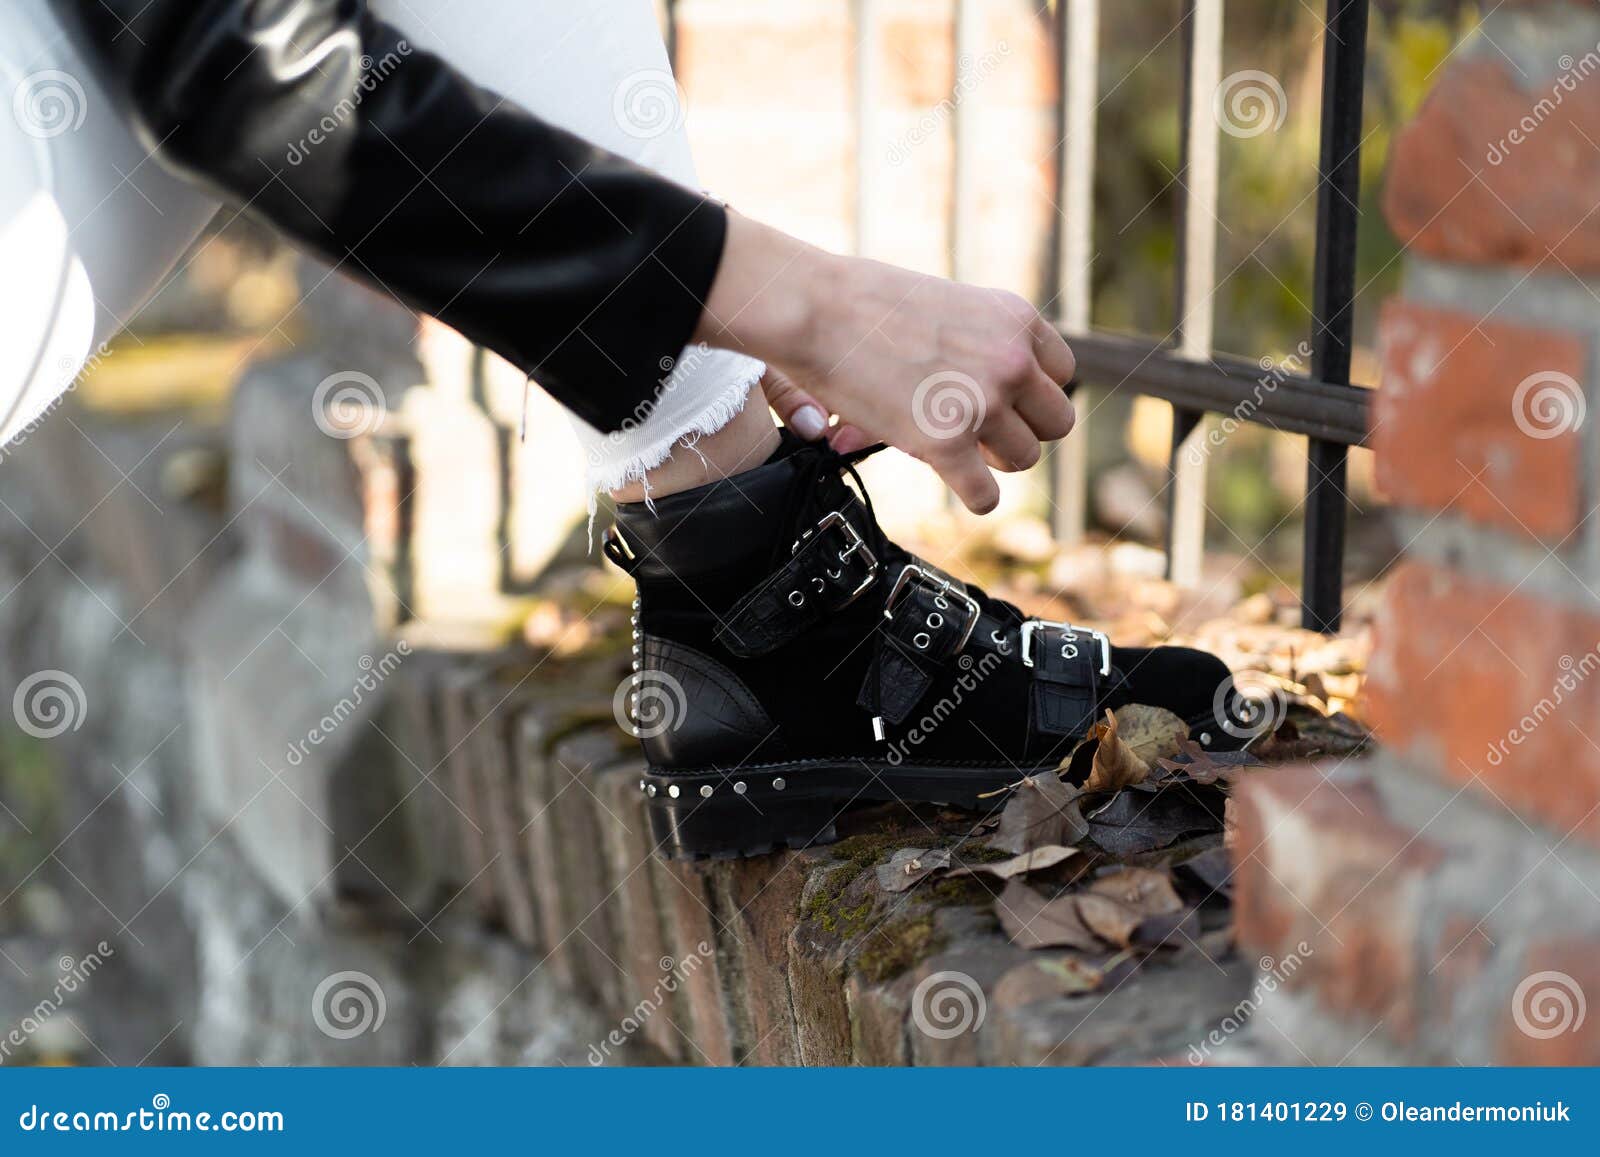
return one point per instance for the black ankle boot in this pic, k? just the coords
(790, 661)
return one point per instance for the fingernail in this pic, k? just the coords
(809, 422)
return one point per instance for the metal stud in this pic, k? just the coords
(673, 791)
(651, 791)
(779, 784)
(705, 791)
(740, 788)
(1205, 738)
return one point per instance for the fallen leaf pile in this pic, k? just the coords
(1115, 858)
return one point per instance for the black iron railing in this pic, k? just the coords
(1184, 370)
(1322, 405)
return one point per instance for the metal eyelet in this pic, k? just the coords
(797, 599)
(821, 586)
(941, 602)
(935, 620)
(834, 574)
(921, 640)
(1069, 650)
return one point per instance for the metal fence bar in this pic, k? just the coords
(1079, 37)
(963, 142)
(1296, 404)
(1332, 316)
(869, 132)
(1197, 274)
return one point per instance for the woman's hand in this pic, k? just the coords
(960, 377)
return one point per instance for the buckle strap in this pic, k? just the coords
(829, 567)
(1068, 663)
(930, 618)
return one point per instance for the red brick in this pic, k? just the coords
(1326, 881)
(1496, 688)
(755, 63)
(1556, 1004)
(1451, 434)
(1537, 199)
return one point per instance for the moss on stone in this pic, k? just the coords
(962, 892)
(853, 856)
(897, 946)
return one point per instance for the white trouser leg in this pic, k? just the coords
(89, 225)
(598, 69)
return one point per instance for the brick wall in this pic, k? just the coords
(1446, 899)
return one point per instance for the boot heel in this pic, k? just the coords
(689, 823)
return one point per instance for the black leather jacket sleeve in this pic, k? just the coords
(578, 266)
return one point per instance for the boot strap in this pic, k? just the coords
(1068, 663)
(830, 566)
(930, 620)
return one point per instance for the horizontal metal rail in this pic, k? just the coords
(1225, 385)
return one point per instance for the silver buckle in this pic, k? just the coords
(1032, 625)
(853, 541)
(941, 584)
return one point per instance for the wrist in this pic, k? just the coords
(768, 294)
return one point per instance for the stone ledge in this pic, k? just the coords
(794, 958)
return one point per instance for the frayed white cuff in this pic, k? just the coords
(703, 391)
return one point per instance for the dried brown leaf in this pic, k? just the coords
(908, 866)
(1115, 766)
(1045, 979)
(1213, 869)
(1198, 765)
(1031, 921)
(1151, 733)
(1042, 812)
(1111, 920)
(1035, 861)
(1146, 890)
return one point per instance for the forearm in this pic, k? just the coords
(573, 263)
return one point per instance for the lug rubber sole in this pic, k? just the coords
(754, 810)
